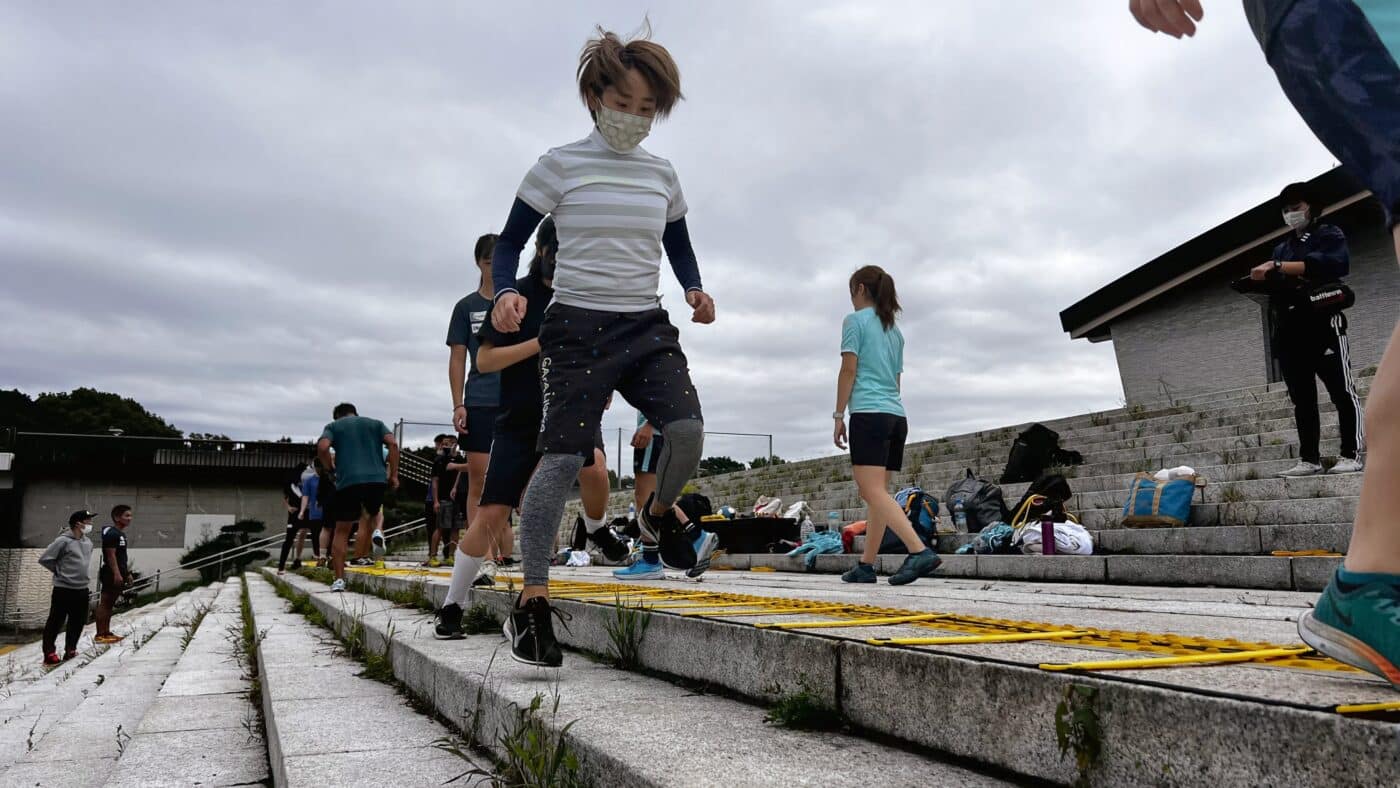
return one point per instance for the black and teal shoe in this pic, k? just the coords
(1358, 624)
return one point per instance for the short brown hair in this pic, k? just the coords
(605, 58)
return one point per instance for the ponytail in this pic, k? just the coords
(880, 286)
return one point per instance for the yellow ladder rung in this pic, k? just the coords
(1363, 708)
(1167, 662)
(858, 622)
(781, 611)
(961, 639)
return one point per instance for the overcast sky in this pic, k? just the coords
(243, 213)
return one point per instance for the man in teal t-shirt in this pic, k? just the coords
(361, 477)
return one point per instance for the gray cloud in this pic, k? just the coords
(241, 215)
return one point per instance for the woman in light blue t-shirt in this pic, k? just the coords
(872, 360)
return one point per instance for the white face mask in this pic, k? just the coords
(1296, 220)
(621, 130)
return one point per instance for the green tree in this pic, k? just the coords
(763, 462)
(82, 411)
(230, 536)
(713, 466)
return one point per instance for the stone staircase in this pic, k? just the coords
(687, 705)
(1239, 440)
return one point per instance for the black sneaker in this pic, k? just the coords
(668, 534)
(530, 631)
(483, 581)
(296, 564)
(449, 626)
(614, 549)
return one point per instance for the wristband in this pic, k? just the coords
(463, 407)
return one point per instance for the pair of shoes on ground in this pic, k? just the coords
(914, 567)
(1305, 468)
(529, 629)
(644, 569)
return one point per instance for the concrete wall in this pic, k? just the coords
(1204, 337)
(156, 538)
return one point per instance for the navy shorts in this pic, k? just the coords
(1345, 84)
(481, 426)
(587, 354)
(646, 460)
(878, 439)
(357, 498)
(513, 459)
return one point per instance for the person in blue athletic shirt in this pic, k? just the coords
(1336, 61)
(872, 360)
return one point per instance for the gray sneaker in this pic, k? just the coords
(861, 573)
(1347, 465)
(1303, 468)
(916, 566)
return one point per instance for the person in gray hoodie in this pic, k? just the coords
(68, 558)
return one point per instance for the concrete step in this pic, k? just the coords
(309, 686)
(24, 665)
(203, 728)
(1239, 571)
(627, 728)
(1225, 540)
(1223, 725)
(73, 734)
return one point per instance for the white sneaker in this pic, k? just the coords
(378, 540)
(1302, 469)
(338, 585)
(1347, 465)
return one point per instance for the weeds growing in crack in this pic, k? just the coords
(626, 627)
(478, 619)
(804, 710)
(192, 625)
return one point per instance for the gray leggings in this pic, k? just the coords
(543, 505)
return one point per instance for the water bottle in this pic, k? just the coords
(1047, 534)
(806, 529)
(959, 516)
(632, 511)
(833, 522)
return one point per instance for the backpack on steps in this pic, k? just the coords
(922, 511)
(982, 502)
(1049, 493)
(1033, 451)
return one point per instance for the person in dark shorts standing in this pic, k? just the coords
(68, 558)
(514, 453)
(1336, 60)
(476, 395)
(872, 360)
(360, 478)
(114, 575)
(445, 509)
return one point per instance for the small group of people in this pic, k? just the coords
(69, 559)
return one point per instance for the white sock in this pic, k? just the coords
(464, 571)
(590, 525)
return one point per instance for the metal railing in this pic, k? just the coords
(229, 556)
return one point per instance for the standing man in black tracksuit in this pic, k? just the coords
(1309, 345)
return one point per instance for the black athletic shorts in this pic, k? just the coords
(513, 460)
(351, 500)
(878, 439)
(586, 354)
(481, 425)
(646, 460)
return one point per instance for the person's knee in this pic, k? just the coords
(684, 433)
